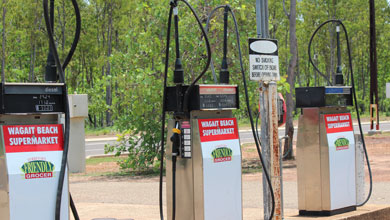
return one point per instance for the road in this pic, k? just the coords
(247, 137)
(95, 147)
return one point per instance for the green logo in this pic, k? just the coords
(38, 169)
(222, 154)
(342, 144)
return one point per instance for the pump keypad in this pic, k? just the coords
(186, 151)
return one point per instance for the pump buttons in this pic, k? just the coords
(186, 151)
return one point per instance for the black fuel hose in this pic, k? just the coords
(255, 134)
(311, 60)
(60, 69)
(162, 149)
(76, 35)
(163, 114)
(225, 38)
(174, 159)
(354, 95)
(189, 89)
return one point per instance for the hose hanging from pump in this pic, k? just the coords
(255, 136)
(61, 70)
(173, 4)
(353, 91)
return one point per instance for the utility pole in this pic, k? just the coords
(269, 124)
(373, 69)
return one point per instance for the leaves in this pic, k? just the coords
(127, 40)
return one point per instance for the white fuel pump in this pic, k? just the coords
(326, 143)
(203, 147)
(34, 146)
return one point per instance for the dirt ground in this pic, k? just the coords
(378, 148)
(378, 151)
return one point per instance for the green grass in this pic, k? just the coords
(145, 173)
(100, 131)
(245, 147)
(384, 134)
(122, 174)
(248, 170)
(98, 160)
(152, 172)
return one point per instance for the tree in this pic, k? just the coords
(291, 77)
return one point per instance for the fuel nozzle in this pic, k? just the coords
(178, 73)
(178, 76)
(175, 138)
(51, 68)
(339, 79)
(224, 74)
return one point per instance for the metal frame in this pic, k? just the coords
(4, 189)
(313, 168)
(189, 171)
(17, 119)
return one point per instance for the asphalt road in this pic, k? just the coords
(247, 137)
(95, 147)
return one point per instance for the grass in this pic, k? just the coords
(123, 174)
(248, 148)
(100, 131)
(98, 160)
(248, 170)
(112, 174)
(146, 173)
(384, 134)
(250, 167)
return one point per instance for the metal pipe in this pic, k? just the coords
(275, 148)
(281, 175)
(262, 32)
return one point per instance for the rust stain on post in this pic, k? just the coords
(275, 155)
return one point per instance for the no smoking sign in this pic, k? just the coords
(263, 60)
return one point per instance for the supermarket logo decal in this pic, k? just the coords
(38, 169)
(342, 144)
(33, 138)
(222, 154)
(220, 129)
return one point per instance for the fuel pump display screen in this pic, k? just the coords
(32, 98)
(217, 97)
(205, 97)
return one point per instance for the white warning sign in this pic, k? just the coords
(263, 60)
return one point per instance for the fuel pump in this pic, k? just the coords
(203, 147)
(33, 146)
(326, 143)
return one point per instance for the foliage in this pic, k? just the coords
(119, 60)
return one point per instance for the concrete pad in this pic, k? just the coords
(90, 211)
(106, 211)
(374, 132)
(367, 212)
(95, 211)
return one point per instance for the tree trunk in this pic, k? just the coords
(62, 21)
(373, 66)
(108, 71)
(34, 46)
(32, 63)
(291, 79)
